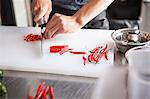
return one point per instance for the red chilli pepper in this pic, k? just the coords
(30, 97)
(59, 46)
(90, 59)
(56, 49)
(40, 88)
(95, 55)
(95, 49)
(73, 52)
(39, 95)
(51, 92)
(101, 54)
(45, 92)
(63, 50)
(85, 60)
(32, 37)
(106, 55)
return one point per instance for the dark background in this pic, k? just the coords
(121, 13)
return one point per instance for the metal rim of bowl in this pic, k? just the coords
(125, 43)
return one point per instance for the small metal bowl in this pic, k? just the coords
(128, 38)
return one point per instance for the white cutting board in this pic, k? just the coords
(16, 54)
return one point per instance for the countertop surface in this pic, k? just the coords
(110, 85)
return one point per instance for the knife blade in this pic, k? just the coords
(42, 33)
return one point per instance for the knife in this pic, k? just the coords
(42, 33)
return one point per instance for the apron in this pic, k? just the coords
(70, 7)
(124, 14)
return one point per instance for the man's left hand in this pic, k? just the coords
(61, 24)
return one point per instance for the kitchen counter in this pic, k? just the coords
(110, 85)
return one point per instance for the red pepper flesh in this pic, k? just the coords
(56, 49)
(73, 52)
(39, 95)
(85, 60)
(45, 92)
(102, 53)
(63, 50)
(51, 92)
(40, 88)
(95, 49)
(106, 55)
(32, 37)
(30, 97)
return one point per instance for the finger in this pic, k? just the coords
(59, 31)
(33, 7)
(46, 16)
(45, 35)
(40, 14)
(34, 11)
(51, 23)
(54, 35)
(52, 31)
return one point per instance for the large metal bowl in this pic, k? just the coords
(128, 38)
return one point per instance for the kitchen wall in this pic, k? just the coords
(0, 13)
(22, 12)
(145, 16)
(0, 20)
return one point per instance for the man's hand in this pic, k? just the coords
(61, 24)
(41, 9)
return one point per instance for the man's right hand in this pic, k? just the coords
(41, 9)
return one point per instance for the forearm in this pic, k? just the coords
(91, 10)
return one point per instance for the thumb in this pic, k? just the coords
(40, 14)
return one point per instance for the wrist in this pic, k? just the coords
(79, 20)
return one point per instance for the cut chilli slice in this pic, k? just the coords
(74, 52)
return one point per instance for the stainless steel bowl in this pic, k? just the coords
(128, 38)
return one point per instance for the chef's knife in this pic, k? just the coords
(42, 33)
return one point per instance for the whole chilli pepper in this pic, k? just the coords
(39, 95)
(51, 92)
(40, 88)
(45, 92)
